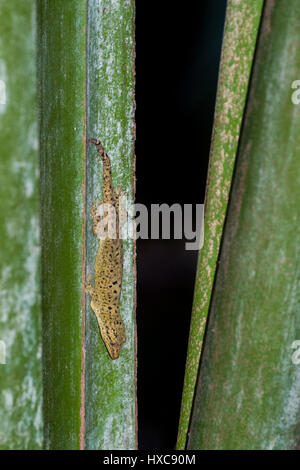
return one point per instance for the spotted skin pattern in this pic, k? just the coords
(105, 294)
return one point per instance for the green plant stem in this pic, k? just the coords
(241, 26)
(248, 389)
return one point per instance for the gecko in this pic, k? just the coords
(105, 294)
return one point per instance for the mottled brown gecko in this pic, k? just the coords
(106, 292)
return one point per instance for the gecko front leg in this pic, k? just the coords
(95, 214)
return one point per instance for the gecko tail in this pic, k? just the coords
(99, 148)
(93, 141)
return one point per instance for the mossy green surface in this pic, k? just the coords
(86, 75)
(240, 33)
(20, 312)
(248, 394)
(110, 385)
(62, 73)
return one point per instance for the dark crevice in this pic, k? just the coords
(178, 53)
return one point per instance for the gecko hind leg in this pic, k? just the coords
(120, 192)
(89, 289)
(123, 215)
(96, 215)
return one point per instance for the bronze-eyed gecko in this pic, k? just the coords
(105, 294)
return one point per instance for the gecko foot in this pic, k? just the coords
(93, 141)
(98, 145)
(96, 215)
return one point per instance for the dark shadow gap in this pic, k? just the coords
(178, 52)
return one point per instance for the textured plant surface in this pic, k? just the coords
(241, 26)
(248, 391)
(20, 314)
(86, 51)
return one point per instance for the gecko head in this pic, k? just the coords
(114, 347)
(114, 350)
(113, 335)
